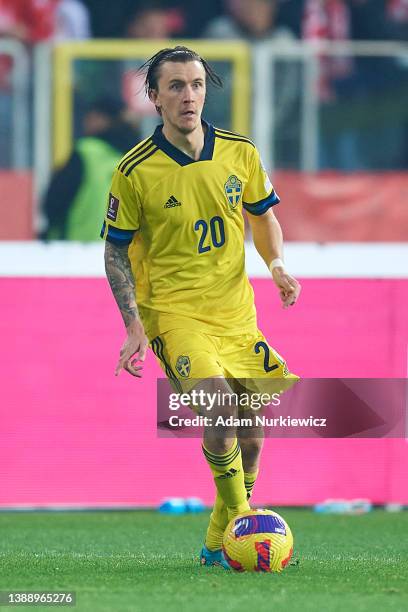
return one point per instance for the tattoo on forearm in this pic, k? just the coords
(121, 280)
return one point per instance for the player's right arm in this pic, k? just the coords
(121, 280)
(121, 222)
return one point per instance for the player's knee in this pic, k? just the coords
(218, 401)
(218, 445)
(251, 447)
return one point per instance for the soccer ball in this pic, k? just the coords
(258, 541)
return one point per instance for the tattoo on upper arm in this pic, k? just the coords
(121, 280)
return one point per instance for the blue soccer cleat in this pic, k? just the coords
(213, 557)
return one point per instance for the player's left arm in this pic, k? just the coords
(268, 240)
(258, 199)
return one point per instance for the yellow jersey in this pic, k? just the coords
(183, 221)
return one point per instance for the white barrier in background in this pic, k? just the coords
(303, 259)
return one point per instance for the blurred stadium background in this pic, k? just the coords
(322, 88)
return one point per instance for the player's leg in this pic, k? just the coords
(192, 361)
(249, 361)
(251, 441)
(221, 447)
(256, 368)
(250, 438)
(222, 451)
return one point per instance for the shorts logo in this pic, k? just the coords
(183, 366)
(233, 191)
(282, 362)
(113, 208)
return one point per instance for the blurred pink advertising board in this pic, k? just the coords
(73, 434)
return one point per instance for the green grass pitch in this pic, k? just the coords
(131, 561)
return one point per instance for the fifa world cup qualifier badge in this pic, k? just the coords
(183, 366)
(113, 208)
(233, 191)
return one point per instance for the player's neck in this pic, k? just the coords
(191, 144)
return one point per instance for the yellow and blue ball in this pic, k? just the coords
(258, 541)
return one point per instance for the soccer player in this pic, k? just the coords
(175, 261)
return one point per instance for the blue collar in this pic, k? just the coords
(182, 158)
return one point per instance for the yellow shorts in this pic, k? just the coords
(190, 356)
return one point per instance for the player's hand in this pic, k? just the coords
(133, 350)
(289, 288)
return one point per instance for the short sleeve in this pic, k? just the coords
(259, 194)
(122, 218)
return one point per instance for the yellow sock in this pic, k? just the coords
(249, 480)
(229, 480)
(219, 515)
(217, 525)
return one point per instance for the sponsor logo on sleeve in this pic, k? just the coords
(113, 208)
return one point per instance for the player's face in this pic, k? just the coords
(181, 94)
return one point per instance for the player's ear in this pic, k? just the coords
(153, 95)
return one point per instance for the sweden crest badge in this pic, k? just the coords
(233, 191)
(183, 366)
